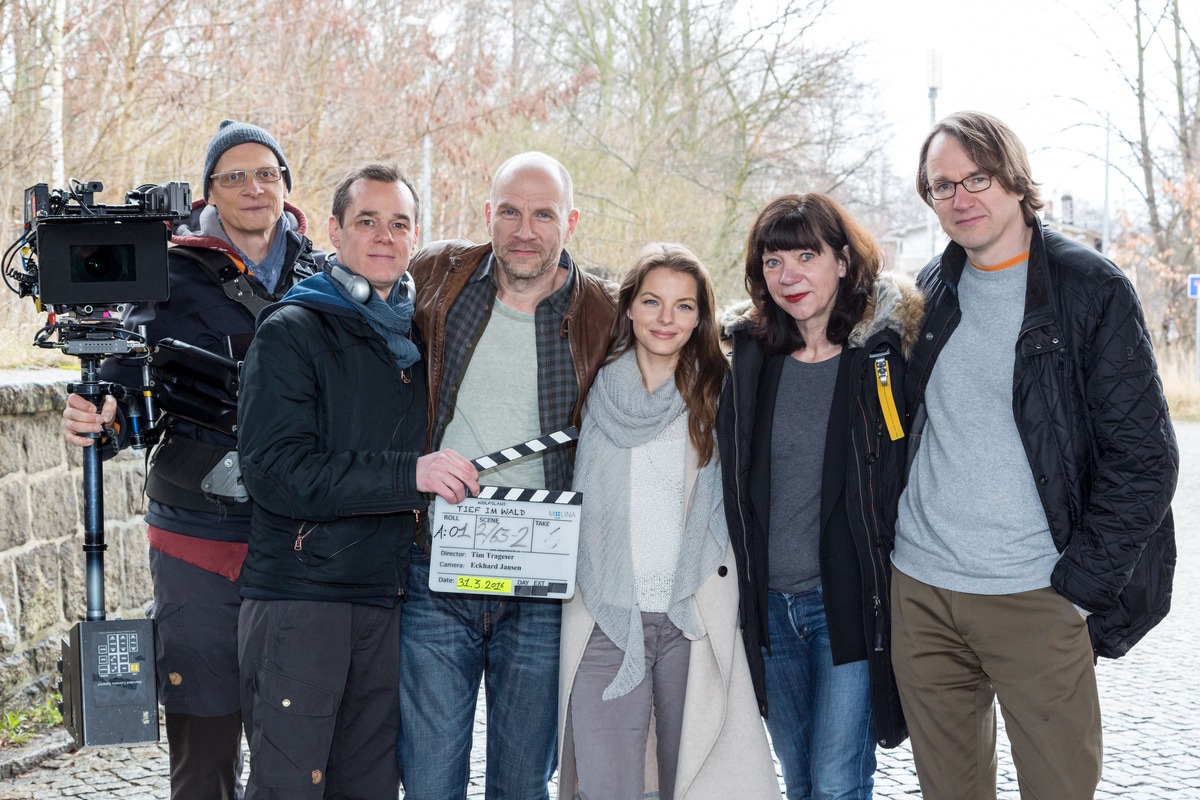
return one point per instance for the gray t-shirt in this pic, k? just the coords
(497, 402)
(970, 518)
(798, 428)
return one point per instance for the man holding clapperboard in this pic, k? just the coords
(515, 332)
(331, 428)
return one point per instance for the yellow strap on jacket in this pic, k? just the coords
(887, 402)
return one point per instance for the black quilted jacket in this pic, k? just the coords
(1090, 410)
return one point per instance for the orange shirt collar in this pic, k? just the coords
(1012, 262)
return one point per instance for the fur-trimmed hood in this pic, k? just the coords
(736, 317)
(896, 304)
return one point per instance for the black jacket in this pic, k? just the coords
(1090, 410)
(330, 431)
(860, 487)
(200, 313)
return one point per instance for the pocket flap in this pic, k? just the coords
(290, 696)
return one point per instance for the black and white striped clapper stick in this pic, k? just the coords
(520, 451)
(526, 448)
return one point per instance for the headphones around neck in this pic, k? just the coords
(357, 286)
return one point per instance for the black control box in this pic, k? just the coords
(109, 692)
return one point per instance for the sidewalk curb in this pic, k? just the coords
(19, 760)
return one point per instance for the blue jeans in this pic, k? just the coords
(448, 642)
(818, 715)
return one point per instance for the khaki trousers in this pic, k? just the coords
(955, 653)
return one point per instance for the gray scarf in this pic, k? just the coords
(271, 267)
(620, 415)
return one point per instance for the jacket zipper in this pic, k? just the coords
(737, 485)
(872, 530)
(737, 476)
(301, 534)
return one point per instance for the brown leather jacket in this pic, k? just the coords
(440, 271)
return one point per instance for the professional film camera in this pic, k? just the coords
(83, 257)
(86, 264)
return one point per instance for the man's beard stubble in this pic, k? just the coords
(516, 275)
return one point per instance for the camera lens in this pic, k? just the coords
(98, 266)
(102, 263)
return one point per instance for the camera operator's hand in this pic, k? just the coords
(80, 417)
(447, 474)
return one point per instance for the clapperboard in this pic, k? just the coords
(508, 541)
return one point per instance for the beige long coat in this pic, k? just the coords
(723, 752)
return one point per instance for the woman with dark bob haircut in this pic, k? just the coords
(652, 631)
(812, 453)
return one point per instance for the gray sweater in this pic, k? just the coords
(970, 519)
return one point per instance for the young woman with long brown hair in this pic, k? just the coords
(652, 630)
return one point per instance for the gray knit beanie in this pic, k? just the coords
(231, 134)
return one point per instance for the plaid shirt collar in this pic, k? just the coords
(559, 300)
(558, 386)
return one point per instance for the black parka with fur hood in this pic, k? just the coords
(860, 487)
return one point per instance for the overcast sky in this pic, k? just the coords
(1035, 64)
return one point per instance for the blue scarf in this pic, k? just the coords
(391, 319)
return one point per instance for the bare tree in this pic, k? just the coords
(1164, 86)
(690, 114)
(678, 119)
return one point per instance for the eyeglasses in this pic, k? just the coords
(944, 190)
(236, 179)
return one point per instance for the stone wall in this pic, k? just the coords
(42, 591)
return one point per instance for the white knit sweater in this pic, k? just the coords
(656, 476)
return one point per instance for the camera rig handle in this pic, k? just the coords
(91, 387)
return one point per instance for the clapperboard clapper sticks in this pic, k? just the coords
(508, 541)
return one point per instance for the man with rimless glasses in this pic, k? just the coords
(1035, 530)
(242, 247)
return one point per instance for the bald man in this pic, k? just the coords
(516, 313)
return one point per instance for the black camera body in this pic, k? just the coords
(87, 255)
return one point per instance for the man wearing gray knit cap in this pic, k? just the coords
(242, 247)
(230, 134)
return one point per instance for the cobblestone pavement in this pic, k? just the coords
(1150, 700)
